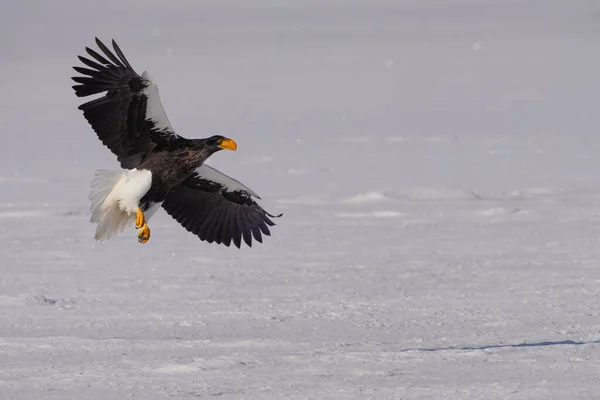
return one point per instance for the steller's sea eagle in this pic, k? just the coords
(159, 166)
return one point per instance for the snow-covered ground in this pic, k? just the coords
(437, 163)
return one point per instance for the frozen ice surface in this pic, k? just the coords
(436, 162)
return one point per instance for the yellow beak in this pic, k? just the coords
(228, 144)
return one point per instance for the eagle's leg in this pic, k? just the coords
(144, 234)
(140, 219)
(140, 223)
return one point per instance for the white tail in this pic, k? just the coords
(105, 209)
(115, 198)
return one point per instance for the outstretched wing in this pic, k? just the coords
(129, 119)
(217, 208)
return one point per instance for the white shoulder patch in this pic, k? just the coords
(154, 109)
(228, 182)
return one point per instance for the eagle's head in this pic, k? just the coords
(218, 142)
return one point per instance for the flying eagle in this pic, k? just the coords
(159, 166)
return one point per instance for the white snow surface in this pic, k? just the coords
(478, 277)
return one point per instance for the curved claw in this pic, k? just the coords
(144, 234)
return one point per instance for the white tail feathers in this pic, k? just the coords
(115, 197)
(106, 211)
(102, 185)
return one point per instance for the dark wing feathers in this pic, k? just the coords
(265, 229)
(109, 54)
(121, 55)
(120, 118)
(246, 230)
(234, 232)
(217, 209)
(90, 63)
(97, 56)
(86, 71)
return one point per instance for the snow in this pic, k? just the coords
(437, 166)
(366, 198)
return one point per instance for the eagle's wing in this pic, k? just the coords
(129, 119)
(218, 208)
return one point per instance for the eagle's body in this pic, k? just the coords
(170, 168)
(160, 168)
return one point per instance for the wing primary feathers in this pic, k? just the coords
(257, 219)
(204, 226)
(225, 236)
(121, 55)
(234, 230)
(109, 53)
(271, 215)
(246, 232)
(93, 81)
(90, 63)
(265, 229)
(197, 218)
(86, 71)
(200, 216)
(207, 211)
(256, 234)
(221, 217)
(83, 91)
(98, 57)
(214, 230)
(252, 217)
(207, 228)
(247, 238)
(89, 104)
(241, 225)
(185, 217)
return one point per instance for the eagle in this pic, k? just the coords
(159, 167)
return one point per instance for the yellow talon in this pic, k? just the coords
(144, 234)
(140, 219)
